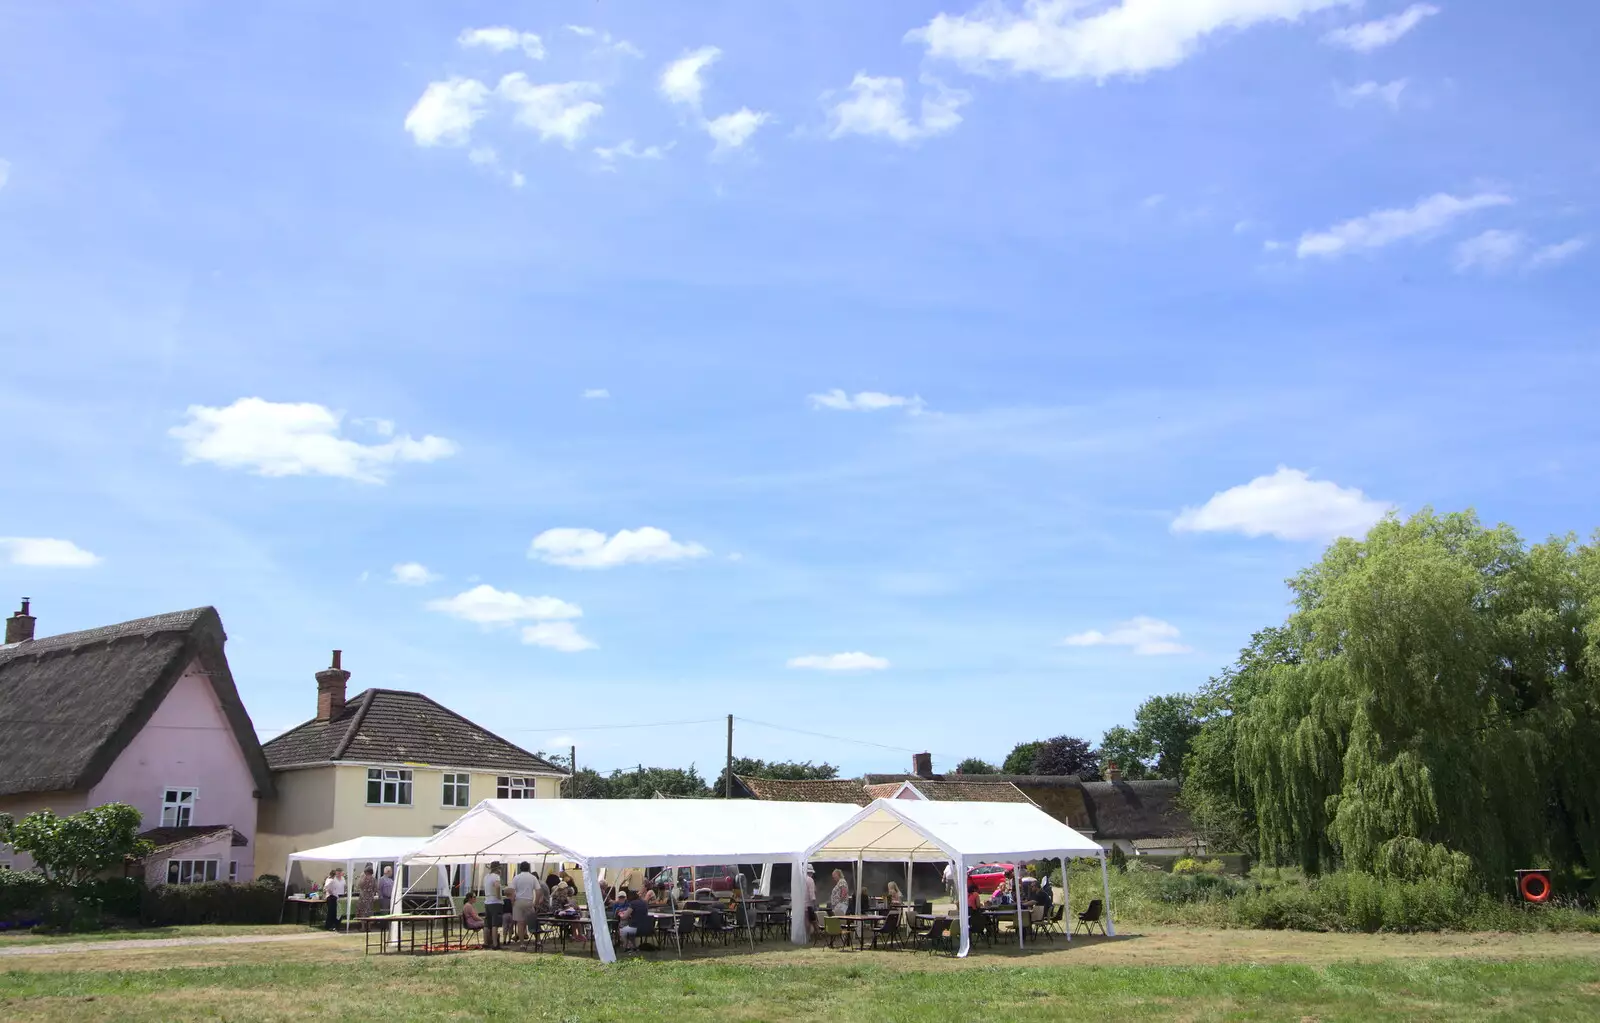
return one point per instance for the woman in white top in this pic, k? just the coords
(493, 906)
(527, 887)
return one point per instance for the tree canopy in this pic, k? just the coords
(74, 848)
(1429, 707)
(973, 765)
(782, 770)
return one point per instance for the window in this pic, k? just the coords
(514, 788)
(191, 871)
(177, 808)
(388, 786)
(455, 789)
(233, 870)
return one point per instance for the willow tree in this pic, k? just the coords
(1439, 712)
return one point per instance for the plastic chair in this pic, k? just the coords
(833, 927)
(1090, 918)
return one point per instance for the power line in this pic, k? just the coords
(841, 738)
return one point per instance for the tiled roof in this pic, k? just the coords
(393, 726)
(165, 838)
(841, 790)
(971, 791)
(69, 704)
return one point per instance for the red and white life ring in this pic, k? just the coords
(1534, 886)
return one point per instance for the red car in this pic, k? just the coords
(986, 877)
(718, 879)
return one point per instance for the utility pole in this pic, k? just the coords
(572, 768)
(727, 779)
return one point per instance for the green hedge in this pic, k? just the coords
(28, 900)
(215, 902)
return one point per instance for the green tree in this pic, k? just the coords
(1020, 759)
(1439, 712)
(1126, 748)
(973, 765)
(781, 770)
(1166, 727)
(73, 849)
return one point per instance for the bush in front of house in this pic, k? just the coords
(29, 899)
(214, 902)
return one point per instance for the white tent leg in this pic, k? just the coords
(349, 892)
(907, 897)
(1105, 879)
(798, 934)
(1066, 900)
(961, 904)
(1016, 898)
(597, 917)
(288, 866)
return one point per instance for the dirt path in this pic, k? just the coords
(80, 947)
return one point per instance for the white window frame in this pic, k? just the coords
(179, 805)
(516, 787)
(233, 870)
(183, 871)
(400, 779)
(457, 784)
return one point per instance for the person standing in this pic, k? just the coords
(811, 901)
(526, 887)
(386, 890)
(366, 894)
(335, 889)
(839, 898)
(493, 906)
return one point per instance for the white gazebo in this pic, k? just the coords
(372, 849)
(914, 830)
(623, 833)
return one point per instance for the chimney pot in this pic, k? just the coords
(922, 765)
(1113, 772)
(331, 690)
(19, 627)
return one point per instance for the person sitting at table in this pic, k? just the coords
(551, 880)
(892, 898)
(636, 923)
(839, 898)
(470, 918)
(561, 900)
(1046, 895)
(974, 901)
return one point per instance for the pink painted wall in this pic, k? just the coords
(188, 742)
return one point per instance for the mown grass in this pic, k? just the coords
(495, 987)
(20, 938)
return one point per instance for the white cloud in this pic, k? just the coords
(854, 661)
(1144, 636)
(596, 392)
(1550, 255)
(863, 401)
(1490, 251)
(484, 156)
(44, 552)
(1385, 227)
(682, 81)
(562, 636)
(605, 42)
(877, 106)
(590, 548)
(294, 439)
(486, 605)
(501, 39)
(1374, 35)
(558, 110)
(5, 172)
(1058, 39)
(410, 573)
(732, 131)
(445, 114)
(628, 151)
(1387, 92)
(1288, 505)
(517, 180)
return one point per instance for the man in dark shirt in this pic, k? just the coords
(637, 924)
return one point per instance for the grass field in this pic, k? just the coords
(1159, 974)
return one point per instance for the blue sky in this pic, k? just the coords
(933, 334)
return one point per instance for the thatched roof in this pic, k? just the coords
(70, 704)
(838, 790)
(1136, 809)
(394, 726)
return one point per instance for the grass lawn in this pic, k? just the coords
(24, 938)
(1159, 974)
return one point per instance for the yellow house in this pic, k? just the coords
(386, 762)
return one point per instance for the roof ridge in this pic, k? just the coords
(169, 621)
(466, 720)
(365, 699)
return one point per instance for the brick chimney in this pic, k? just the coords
(1113, 772)
(20, 625)
(922, 765)
(330, 690)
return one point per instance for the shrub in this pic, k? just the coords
(215, 902)
(1190, 865)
